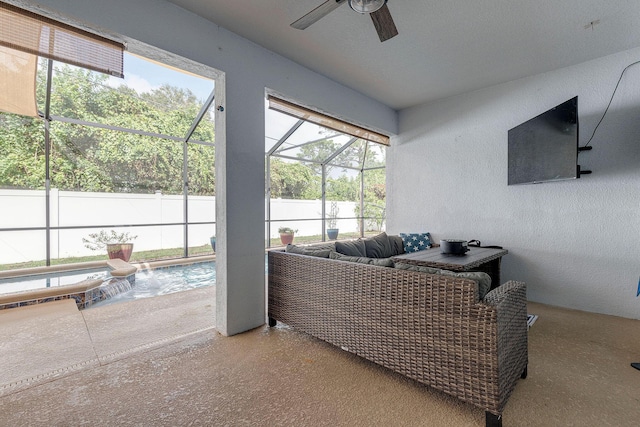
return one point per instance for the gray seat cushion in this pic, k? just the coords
(482, 279)
(411, 267)
(321, 251)
(380, 262)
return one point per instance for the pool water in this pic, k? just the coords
(168, 280)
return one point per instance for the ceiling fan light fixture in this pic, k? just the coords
(366, 6)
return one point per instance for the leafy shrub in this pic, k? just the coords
(98, 241)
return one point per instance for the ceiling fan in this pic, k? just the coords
(377, 9)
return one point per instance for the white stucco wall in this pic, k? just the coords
(248, 70)
(575, 243)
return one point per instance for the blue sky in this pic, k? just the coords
(144, 76)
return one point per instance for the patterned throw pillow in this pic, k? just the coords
(414, 242)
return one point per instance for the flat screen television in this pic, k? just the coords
(545, 148)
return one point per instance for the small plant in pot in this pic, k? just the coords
(332, 219)
(286, 235)
(118, 245)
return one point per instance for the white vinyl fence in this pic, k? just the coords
(306, 216)
(26, 208)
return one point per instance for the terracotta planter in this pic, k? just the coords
(120, 250)
(286, 238)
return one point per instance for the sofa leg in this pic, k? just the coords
(524, 373)
(493, 420)
(272, 322)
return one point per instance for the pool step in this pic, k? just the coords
(120, 268)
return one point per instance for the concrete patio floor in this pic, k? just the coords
(48, 341)
(160, 362)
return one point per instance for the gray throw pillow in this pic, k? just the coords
(378, 246)
(397, 245)
(380, 262)
(351, 247)
(318, 251)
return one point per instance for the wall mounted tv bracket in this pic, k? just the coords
(583, 172)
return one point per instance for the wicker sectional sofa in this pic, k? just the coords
(429, 327)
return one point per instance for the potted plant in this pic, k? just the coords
(286, 235)
(332, 219)
(118, 245)
(212, 239)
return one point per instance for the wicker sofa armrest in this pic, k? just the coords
(510, 302)
(507, 293)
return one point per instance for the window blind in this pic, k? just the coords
(36, 34)
(18, 82)
(320, 119)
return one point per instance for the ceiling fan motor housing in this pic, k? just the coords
(366, 6)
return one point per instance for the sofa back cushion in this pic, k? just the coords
(351, 247)
(378, 246)
(397, 245)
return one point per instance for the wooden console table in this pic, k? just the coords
(477, 259)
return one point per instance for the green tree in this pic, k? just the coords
(22, 152)
(169, 98)
(293, 180)
(374, 199)
(85, 158)
(318, 152)
(343, 188)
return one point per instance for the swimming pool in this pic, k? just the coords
(166, 280)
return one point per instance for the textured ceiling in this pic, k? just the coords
(444, 47)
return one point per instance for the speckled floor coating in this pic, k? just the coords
(47, 341)
(35, 343)
(579, 375)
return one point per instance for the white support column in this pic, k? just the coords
(240, 290)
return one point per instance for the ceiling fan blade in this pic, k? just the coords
(384, 24)
(318, 13)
